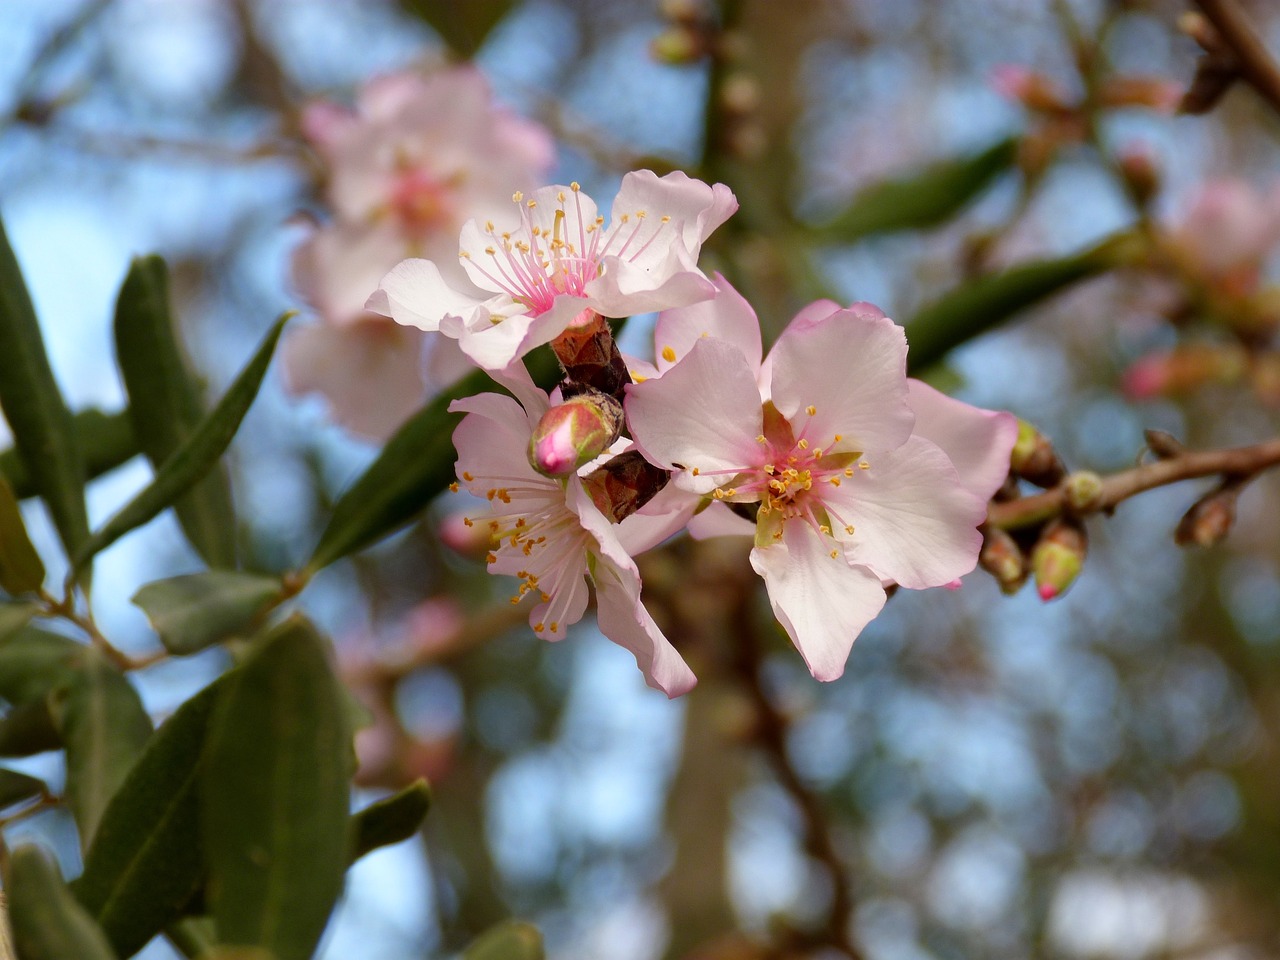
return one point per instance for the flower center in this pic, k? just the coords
(419, 201)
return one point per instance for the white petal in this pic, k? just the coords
(704, 412)
(977, 441)
(625, 621)
(852, 369)
(339, 266)
(695, 208)
(415, 294)
(662, 517)
(726, 317)
(821, 601)
(914, 522)
(719, 521)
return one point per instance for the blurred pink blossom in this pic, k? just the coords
(1227, 233)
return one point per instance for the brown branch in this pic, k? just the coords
(1237, 462)
(1255, 64)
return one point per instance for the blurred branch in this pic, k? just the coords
(28, 107)
(1237, 464)
(1254, 62)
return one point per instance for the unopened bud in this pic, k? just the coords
(1034, 459)
(1140, 172)
(1058, 558)
(623, 485)
(1003, 559)
(1210, 518)
(682, 11)
(1164, 445)
(678, 46)
(1083, 491)
(574, 433)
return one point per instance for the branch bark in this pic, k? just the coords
(1256, 65)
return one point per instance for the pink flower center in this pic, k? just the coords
(533, 264)
(420, 201)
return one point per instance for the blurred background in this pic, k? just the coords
(993, 776)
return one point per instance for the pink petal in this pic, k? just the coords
(495, 346)
(661, 518)
(704, 412)
(977, 441)
(339, 266)
(624, 288)
(821, 601)
(415, 294)
(719, 521)
(624, 620)
(726, 317)
(695, 208)
(493, 442)
(852, 368)
(914, 522)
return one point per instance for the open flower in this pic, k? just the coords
(549, 534)
(418, 155)
(861, 476)
(552, 260)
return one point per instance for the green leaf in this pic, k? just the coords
(512, 940)
(276, 796)
(47, 922)
(165, 405)
(390, 820)
(105, 440)
(34, 662)
(104, 727)
(198, 454)
(925, 199)
(982, 304)
(27, 729)
(416, 464)
(16, 787)
(147, 860)
(195, 611)
(463, 26)
(42, 427)
(14, 615)
(21, 569)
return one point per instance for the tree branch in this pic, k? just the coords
(1255, 63)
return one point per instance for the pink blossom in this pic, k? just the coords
(550, 260)
(861, 475)
(417, 155)
(549, 535)
(1228, 232)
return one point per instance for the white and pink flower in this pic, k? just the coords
(1228, 232)
(549, 534)
(861, 475)
(417, 155)
(550, 260)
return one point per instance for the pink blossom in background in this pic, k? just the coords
(1228, 231)
(550, 259)
(417, 155)
(861, 475)
(548, 534)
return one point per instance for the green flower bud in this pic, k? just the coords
(1058, 558)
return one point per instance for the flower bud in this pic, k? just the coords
(1058, 557)
(1210, 518)
(1183, 369)
(1032, 89)
(574, 433)
(1003, 559)
(1164, 445)
(1140, 172)
(1034, 459)
(1084, 491)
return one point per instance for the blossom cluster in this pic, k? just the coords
(841, 473)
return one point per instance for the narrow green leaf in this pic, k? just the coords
(34, 662)
(104, 727)
(462, 26)
(415, 465)
(147, 860)
(195, 937)
(14, 615)
(165, 404)
(390, 820)
(924, 199)
(276, 797)
(42, 427)
(512, 940)
(16, 787)
(198, 454)
(105, 440)
(985, 303)
(21, 569)
(28, 728)
(195, 611)
(47, 922)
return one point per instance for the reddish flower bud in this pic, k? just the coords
(1034, 459)
(1183, 369)
(1003, 559)
(1140, 172)
(574, 433)
(1058, 558)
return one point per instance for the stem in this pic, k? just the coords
(1255, 63)
(1238, 462)
(66, 610)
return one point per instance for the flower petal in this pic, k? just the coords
(727, 316)
(695, 208)
(625, 621)
(978, 442)
(662, 517)
(415, 294)
(719, 521)
(914, 522)
(822, 602)
(851, 368)
(704, 412)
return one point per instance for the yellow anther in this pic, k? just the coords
(575, 186)
(835, 554)
(863, 465)
(491, 558)
(491, 251)
(848, 471)
(837, 438)
(468, 522)
(834, 481)
(811, 409)
(668, 355)
(802, 443)
(453, 487)
(641, 214)
(531, 204)
(639, 378)
(466, 475)
(848, 528)
(554, 626)
(560, 196)
(695, 471)
(666, 219)
(539, 627)
(488, 225)
(761, 439)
